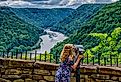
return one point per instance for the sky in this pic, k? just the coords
(50, 3)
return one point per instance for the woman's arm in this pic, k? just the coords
(77, 62)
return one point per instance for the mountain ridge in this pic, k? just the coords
(77, 18)
(42, 18)
(105, 21)
(16, 33)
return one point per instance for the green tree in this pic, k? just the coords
(109, 44)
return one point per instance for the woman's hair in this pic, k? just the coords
(66, 52)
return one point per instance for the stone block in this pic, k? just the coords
(118, 73)
(4, 80)
(53, 72)
(91, 80)
(27, 71)
(114, 78)
(86, 76)
(30, 80)
(114, 72)
(19, 80)
(42, 81)
(82, 76)
(82, 80)
(43, 72)
(119, 78)
(103, 77)
(11, 76)
(82, 69)
(91, 70)
(109, 81)
(108, 70)
(13, 71)
(49, 67)
(49, 78)
(73, 79)
(28, 65)
(37, 77)
(26, 76)
(2, 71)
(6, 63)
(104, 71)
(97, 80)
(40, 66)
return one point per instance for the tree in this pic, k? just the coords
(109, 44)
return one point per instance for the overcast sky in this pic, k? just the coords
(49, 3)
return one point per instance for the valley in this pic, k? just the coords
(49, 40)
(105, 21)
(77, 24)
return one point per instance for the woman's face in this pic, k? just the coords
(73, 52)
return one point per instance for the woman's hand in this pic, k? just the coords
(77, 62)
(80, 57)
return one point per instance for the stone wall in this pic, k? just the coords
(15, 70)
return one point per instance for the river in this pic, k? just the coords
(49, 40)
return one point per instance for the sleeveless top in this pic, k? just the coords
(64, 71)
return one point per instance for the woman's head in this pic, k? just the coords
(67, 51)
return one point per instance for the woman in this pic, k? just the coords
(67, 65)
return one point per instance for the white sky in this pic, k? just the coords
(47, 3)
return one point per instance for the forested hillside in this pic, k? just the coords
(42, 17)
(105, 21)
(108, 47)
(77, 18)
(16, 33)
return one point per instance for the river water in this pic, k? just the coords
(49, 40)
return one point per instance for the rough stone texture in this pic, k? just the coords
(119, 78)
(49, 78)
(42, 81)
(30, 80)
(73, 79)
(19, 80)
(4, 80)
(16, 70)
(37, 77)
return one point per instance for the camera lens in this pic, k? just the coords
(80, 52)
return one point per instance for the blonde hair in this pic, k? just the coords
(66, 52)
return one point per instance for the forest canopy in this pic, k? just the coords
(104, 21)
(16, 33)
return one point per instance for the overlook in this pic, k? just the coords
(32, 43)
(15, 69)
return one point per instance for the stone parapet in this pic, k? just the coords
(16, 70)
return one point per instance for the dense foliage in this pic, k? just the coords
(76, 19)
(42, 17)
(108, 18)
(16, 33)
(109, 46)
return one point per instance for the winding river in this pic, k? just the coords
(49, 40)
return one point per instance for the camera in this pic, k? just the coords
(79, 49)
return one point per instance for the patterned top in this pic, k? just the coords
(64, 71)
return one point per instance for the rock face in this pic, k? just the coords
(12, 70)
